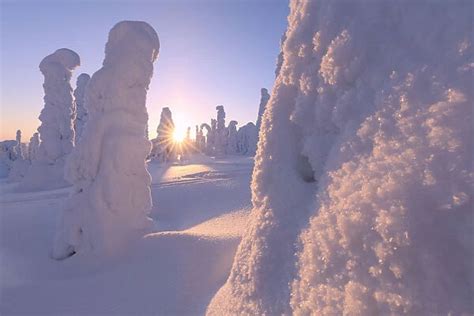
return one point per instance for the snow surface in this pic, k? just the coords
(363, 184)
(174, 270)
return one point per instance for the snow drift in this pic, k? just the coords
(363, 183)
(56, 130)
(111, 193)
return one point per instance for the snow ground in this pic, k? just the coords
(200, 209)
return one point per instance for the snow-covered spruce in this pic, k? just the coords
(264, 97)
(56, 130)
(232, 138)
(111, 193)
(163, 147)
(33, 147)
(81, 111)
(20, 165)
(247, 139)
(7, 156)
(221, 133)
(365, 161)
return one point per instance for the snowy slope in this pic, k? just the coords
(201, 212)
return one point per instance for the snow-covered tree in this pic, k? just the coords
(7, 156)
(232, 138)
(81, 112)
(163, 146)
(111, 185)
(56, 130)
(363, 181)
(19, 165)
(221, 132)
(264, 97)
(247, 139)
(33, 147)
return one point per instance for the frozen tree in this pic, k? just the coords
(33, 147)
(18, 148)
(264, 97)
(207, 140)
(81, 112)
(163, 147)
(221, 133)
(56, 130)
(232, 138)
(363, 181)
(7, 156)
(247, 139)
(111, 186)
(198, 142)
(19, 165)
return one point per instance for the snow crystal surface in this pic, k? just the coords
(56, 130)
(362, 189)
(111, 193)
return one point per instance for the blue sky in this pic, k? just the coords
(212, 52)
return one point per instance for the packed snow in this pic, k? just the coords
(173, 270)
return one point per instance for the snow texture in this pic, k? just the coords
(81, 112)
(111, 186)
(56, 130)
(363, 183)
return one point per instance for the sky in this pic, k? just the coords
(212, 52)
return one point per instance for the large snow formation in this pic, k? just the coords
(363, 183)
(7, 156)
(220, 144)
(81, 112)
(111, 193)
(20, 164)
(33, 147)
(56, 130)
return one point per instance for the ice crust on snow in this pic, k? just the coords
(363, 183)
(56, 129)
(111, 186)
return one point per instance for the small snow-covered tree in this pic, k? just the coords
(232, 138)
(56, 129)
(33, 147)
(20, 165)
(362, 188)
(264, 97)
(81, 112)
(247, 139)
(163, 146)
(221, 133)
(111, 185)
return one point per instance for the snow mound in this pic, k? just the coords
(363, 183)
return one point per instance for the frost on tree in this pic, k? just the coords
(264, 97)
(247, 139)
(111, 186)
(81, 111)
(56, 130)
(7, 156)
(365, 164)
(163, 145)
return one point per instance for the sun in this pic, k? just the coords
(178, 135)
